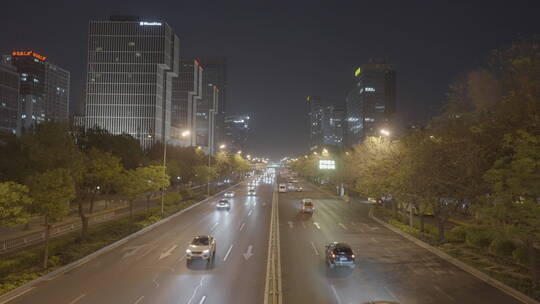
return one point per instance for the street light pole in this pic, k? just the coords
(184, 134)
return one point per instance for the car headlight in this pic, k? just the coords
(206, 251)
(188, 251)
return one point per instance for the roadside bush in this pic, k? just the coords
(520, 256)
(172, 198)
(478, 237)
(186, 194)
(501, 247)
(458, 234)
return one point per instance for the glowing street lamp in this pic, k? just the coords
(239, 152)
(222, 146)
(186, 133)
(385, 132)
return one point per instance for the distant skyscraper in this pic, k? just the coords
(44, 88)
(332, 126)
(372, 102)
(131, 64)
(236, 133)
(206, 117)
(186, 95)
(215, 74)
(315, 121)
(10, 111)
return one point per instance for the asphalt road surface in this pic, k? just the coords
(152, 267)
(389, 267)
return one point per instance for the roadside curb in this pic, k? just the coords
(463, 266)
(5, 298)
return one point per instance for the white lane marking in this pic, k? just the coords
(202, 300)
(155, 280)
(139, 300)
(314, 248)
(317, 225)
(250, 212)
(77, 299)
(214, 227)
(336, 294)
(168, 252)
(374, 240)
(353, 223)
(443, 292)
(291, 224)
(195, 291)
(242, 226)
(342, 226)
(304, 225)
(391, 294)
(18, 295)
(249, 253)
(361, 230)
(228, 252)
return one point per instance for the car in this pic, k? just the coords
(229, 194)
(306, 206)
(251, 192)
(224, 204)
(339, 254)
(374, 200)
(282, 188)
(290, 186)
(299, 189)
(202, 247)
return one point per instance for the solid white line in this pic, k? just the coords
(16, 296)
(336, 294)
(443, 292)
(195, 291)
(214, 227)
(77, 299)
(242, 226)
(342, 226)
(314, 248)
(391, 294)
(202, 300)
(228, 252)
(139, 300)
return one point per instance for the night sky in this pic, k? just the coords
(279, 52)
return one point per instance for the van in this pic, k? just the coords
(282, 188)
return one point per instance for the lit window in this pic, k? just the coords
(131, 43)
(99, 48)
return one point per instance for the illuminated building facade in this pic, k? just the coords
(44, 88)
(371, 104)
(236, 133)
(131, 65)
(315, 121)
(186, 95)
(9, 99)
(215, 75)
(332, 126)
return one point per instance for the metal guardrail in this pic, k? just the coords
(272, 293)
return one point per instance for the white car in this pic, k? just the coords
(299, 189)
(282, 188)
(202, 247)
(307, 206)
(251, 192)
(229, 194)
(224, 204)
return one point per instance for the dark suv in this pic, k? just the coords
(339, 254)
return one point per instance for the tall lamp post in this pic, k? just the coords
(209, 167)
(184, 135)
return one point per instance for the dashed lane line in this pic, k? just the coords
(77, 299)
(139, 300)
(242, 226)
(228, 252)
(314, 248)
(335, 294)
(342, 226)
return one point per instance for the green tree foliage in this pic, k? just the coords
(14, 203)
(153, 179)
(203, 174)
(51, 192)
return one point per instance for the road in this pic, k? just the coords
(390, 268)
(152, 268)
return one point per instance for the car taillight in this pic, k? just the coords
(352, 256)
(333, 256)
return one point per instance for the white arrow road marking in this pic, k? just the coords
(195, 291)
(77, 299)
(250, 212)
(214, 227)
(139, 300)
(317, 225)
(202, 300)
(314, 248)
(228, 252)
(248, 253)
(291, 224)
(342, 226)
(168, 252)
(242, 226)
(131, 250)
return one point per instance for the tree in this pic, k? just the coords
(203, 174)
(154, 178)
(51, 191)
(129, 185)
(101, 169)
(14, 203)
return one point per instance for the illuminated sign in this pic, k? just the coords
(327, 164)
(150, 23)
(357, 72)
(28, 53)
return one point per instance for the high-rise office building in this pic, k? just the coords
(215, 74)
(10, 119)
(186, 95)
(44, 88)
(372, 102)
(315, 121)
(332, 126)
(131, 64)
(206, 118)
(236, 133)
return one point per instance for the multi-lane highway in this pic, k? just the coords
(152, 267)
(389, 268)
